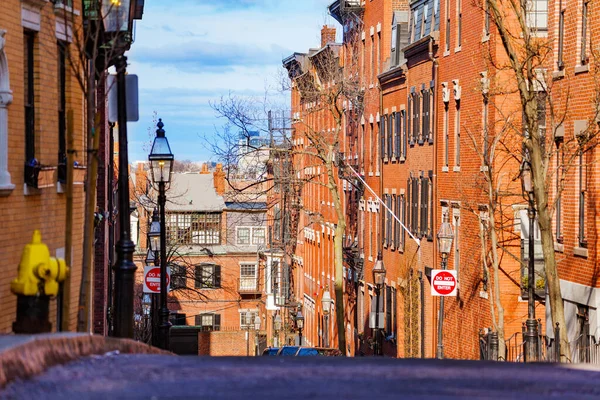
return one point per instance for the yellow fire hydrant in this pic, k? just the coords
(38, 280)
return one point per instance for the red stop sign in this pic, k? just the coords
(443, 283)
(152, 280)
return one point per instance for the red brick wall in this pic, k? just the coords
(226, 344)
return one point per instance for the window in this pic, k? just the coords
(389, 218)
(456, 225)
(425, 206)
(416, 116)
(446, 133)
(361, 310)
(207, 276)
(561, 40)
(372, 59)
(362, 61)
(486, 134)
(178, 276)
(62, 99)
(416, 26)
(209, 322)
(584, 36)
(558, 210)
(258, 236)
(425, 115)
(413, 198)
(409, 117)
(29, 73)
(243, 235)
(382, 129)
(447, 44)
(486, 19)
(457, 136)
(458, 24)
(194, 228)
(248, 278)
(394, 37)
(537, 15)
(390, 311)
(582, 177)
(403, 119)
(378, 52)
(390, 135)
(247, 323)
(397, 132)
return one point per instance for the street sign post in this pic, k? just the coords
(152, 279)
(443, 282)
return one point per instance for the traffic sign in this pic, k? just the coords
(443, 282)
(152, 279)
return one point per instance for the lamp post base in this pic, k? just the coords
(32, 315)
(531, 341)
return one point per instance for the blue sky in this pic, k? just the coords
(188, 53)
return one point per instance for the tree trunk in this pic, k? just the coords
(93, 139)
(545, 223)
(338, 251)
(497, 298)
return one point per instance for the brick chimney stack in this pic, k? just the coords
(327, 35)
(219, 180)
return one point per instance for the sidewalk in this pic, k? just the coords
(23, 356)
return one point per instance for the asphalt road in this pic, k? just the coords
(171, 377)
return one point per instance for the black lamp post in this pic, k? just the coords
(379, 279)
(299, 324)
(444, 236)
(161, 165)
(326, 306)
(531, 332)
(154, 250)
(118, 24)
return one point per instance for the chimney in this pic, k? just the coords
(219, 180)
(204, 168)
(327, 35)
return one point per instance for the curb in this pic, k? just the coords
(36, 353)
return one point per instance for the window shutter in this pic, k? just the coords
(407, 220)
(388, 309)
(425, 227)
(415, 216)
(217, 322)
(390, 134)
(198, 281)
(382, 137)
(404, 133)
(198, 320)
(397, 131)
(217, 276)
(407, 126)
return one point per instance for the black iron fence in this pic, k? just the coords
(584, 348)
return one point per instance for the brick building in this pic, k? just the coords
(433, 106)
(214, 236)
(37, 90)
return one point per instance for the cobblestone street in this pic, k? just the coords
(162, 377)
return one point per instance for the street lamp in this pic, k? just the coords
(161, 165)
(326, 306)
(444, 236)
(379, 279)
(299, 324)
(531, 333)
(118, 24)
(277, 325)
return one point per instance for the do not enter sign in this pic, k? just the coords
(443, 282)
(152, 279)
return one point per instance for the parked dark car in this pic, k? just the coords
(308, 351)
(270, 351)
